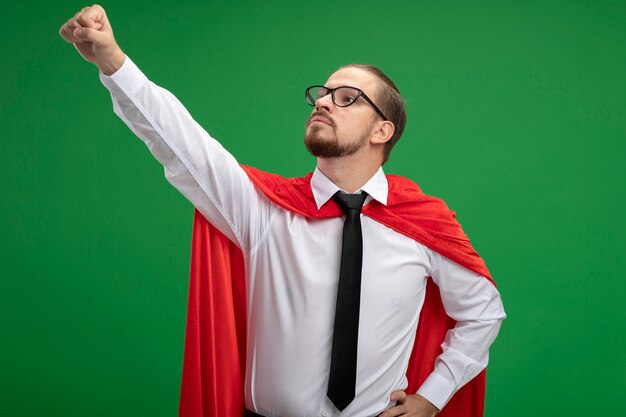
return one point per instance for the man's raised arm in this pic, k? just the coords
(197, 165)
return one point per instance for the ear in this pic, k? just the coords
(383, 131)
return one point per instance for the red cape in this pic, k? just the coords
(215, 342)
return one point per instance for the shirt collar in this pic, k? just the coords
(323, 188)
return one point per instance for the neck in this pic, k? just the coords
(349, 173)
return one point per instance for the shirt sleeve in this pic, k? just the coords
(475, 304)
(195, 163)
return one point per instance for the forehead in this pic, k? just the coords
(354, 77)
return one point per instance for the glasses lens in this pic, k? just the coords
(344, 96)
(315, 93)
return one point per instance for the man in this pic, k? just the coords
(302, 272)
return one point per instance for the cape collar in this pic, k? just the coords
(323, 188)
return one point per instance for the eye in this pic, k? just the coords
(346, 96)
(348, 99)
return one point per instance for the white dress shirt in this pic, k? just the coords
(292, 266)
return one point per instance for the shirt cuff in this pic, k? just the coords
(437, 389)
(127, 78)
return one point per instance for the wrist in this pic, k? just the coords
(111, 64)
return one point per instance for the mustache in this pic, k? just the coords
(321, 114)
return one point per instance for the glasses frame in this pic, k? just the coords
(331, 91)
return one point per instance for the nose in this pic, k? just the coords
(325, 102)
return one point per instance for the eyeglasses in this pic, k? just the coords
(343, 96)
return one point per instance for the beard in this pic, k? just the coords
(321, 140)
(326, 145)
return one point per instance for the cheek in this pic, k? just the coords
(353, 130)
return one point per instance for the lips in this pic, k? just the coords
(320, 119)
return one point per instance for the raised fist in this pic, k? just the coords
(91, 33)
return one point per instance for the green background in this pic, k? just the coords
(517, 118)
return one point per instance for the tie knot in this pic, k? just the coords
(350, 201)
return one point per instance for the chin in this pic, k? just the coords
(325, 147)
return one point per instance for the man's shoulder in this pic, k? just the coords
(406, 194)
(272, 179)
(293, 194)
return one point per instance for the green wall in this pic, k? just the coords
(516, 118)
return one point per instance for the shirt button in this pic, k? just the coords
(325, 414)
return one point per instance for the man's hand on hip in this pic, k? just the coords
(410, 406)
(91, 33)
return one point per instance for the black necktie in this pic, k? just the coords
(342, 382)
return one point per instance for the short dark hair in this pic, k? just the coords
(391, 103)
